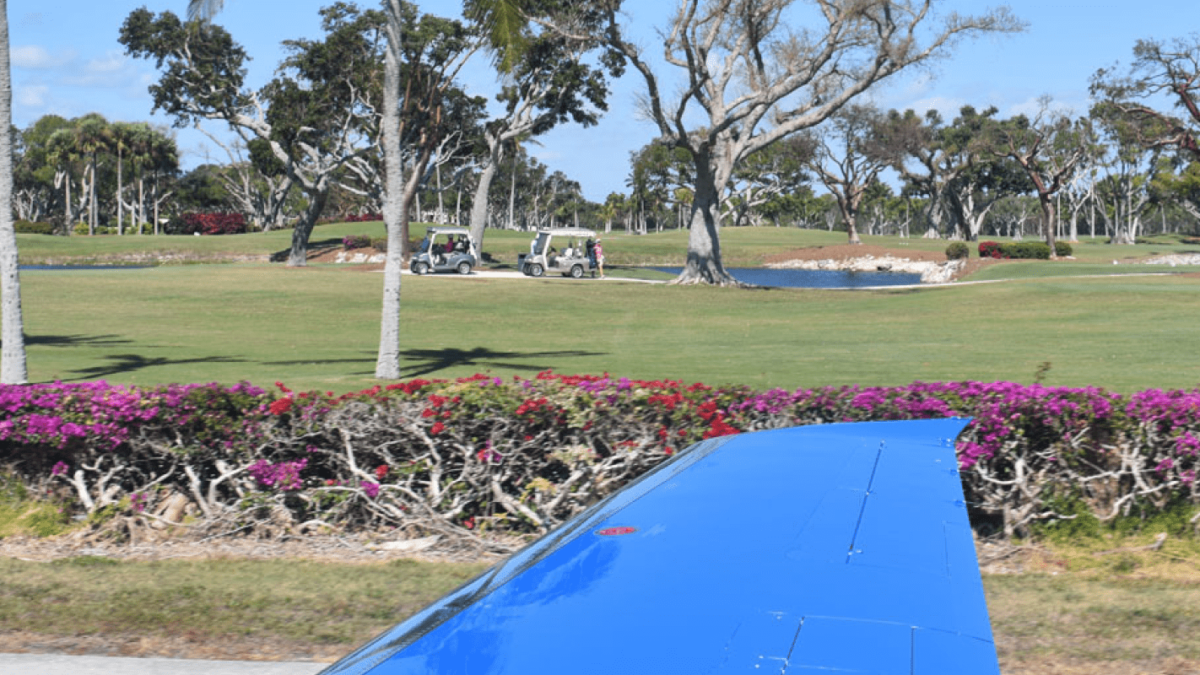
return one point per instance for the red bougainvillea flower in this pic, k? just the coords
(281, 406)
(437, 428)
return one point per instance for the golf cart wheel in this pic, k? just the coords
(577, 271)
(464, 267)
(536, 270)
(421, 268)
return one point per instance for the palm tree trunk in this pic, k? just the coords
(387, 363)
(120, 196)
(12, 334)
(156, 201)
(92, 196)
(512, 195)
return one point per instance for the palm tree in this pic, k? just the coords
(123, 134)
(12, 335)
(91, 136)
(204, 10)
(503, 22)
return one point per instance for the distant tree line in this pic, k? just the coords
(307, 148)
(88, 173)
(1122, 171)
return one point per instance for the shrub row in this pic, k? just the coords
(1031, 250)
(353, 241)
(958, 251)
(81, 229)
(31, 227)
(523, 455)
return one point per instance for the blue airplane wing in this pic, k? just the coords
(840, 548)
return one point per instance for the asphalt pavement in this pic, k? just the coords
(59, 664)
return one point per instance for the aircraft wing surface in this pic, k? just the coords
(840, 548)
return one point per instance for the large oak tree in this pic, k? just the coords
(315, 116)
(754, 72)
(1167, 69)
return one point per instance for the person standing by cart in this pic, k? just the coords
(598, 251)
(590, 247)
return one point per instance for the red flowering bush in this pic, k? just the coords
(213, 223)
(991, 249)
(523, 455)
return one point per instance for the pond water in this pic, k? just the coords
(794, 278)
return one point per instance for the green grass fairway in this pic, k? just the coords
(318, 328)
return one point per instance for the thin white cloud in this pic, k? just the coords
(114, 69)
(1030, 107)
(32, 96)
(112, 61)
(36, 57)
(946, 106)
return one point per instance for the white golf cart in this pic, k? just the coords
(445, 249)
(545, 257)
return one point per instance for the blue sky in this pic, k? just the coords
(66, 60)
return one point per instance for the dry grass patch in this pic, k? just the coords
(1099, 606)
(212, 609)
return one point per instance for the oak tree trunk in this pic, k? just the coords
(479, 204)
(704, 241)
(298, 254)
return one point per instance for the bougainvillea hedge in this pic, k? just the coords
(521, 455)
(212, 223)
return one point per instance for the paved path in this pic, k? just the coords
(58, 664)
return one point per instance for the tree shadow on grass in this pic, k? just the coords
(76, 340)
(128, 363)
(434, 360)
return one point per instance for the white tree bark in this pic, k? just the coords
(264, 202)
(387, 363)
(12, 351)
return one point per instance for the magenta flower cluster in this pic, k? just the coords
(102, 416)
(281, 476)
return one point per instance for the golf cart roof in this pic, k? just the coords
(568, 232)
(446, 230)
